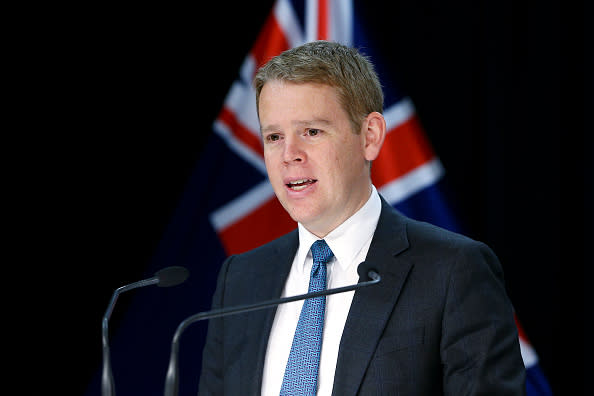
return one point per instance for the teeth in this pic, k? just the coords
(299, 185)
(300, 181)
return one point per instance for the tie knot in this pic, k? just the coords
(321, 252)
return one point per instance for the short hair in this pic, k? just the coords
(329, 63)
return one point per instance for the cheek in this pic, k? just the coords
(270, 159)
(349, 161)
(339, 169)
(272, 169)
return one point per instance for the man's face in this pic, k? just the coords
(316, 164)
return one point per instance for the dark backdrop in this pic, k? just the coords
(122, 100)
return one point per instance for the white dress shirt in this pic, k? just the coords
(349, 242)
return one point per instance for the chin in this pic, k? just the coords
(301, 217)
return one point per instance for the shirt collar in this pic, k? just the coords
(347, 239)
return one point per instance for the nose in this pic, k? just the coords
(293, 151)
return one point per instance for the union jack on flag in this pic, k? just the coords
(234, 217)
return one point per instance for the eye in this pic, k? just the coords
(313, 132)
(273, 137)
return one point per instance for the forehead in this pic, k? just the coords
(279, 88)
(286, 100)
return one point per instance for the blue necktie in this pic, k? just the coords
(301, 373)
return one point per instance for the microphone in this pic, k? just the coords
(367, 277)
(366, 273)
(170, 276)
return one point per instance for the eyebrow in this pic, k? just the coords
(300, 123)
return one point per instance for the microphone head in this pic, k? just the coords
(367, 272)
(172, 276)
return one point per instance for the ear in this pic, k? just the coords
(374, 130)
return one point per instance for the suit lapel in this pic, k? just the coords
(268, 284)
(372, 306)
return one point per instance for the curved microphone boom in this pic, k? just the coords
(367, 275)
(166, 277)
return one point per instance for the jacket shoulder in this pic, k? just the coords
(281, 245)
(419, 233)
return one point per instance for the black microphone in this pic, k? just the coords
(367, 277)
(166, 277)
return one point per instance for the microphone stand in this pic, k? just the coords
(107, 384)
(172, 380)
(166, 277)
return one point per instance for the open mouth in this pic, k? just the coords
(299, 185)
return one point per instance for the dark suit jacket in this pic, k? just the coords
(438, 323)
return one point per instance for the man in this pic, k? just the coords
(439, 322)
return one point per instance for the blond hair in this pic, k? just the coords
(323, 62)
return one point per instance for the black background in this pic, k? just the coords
(112, 106)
